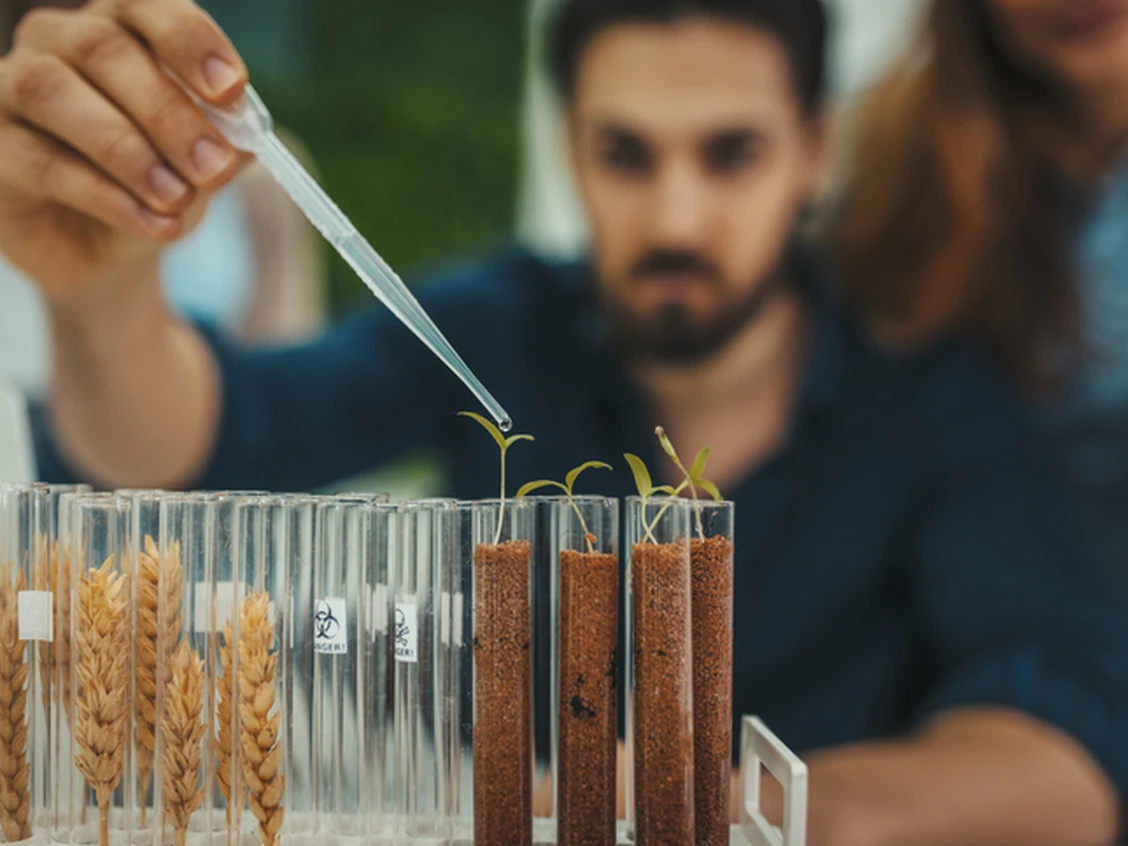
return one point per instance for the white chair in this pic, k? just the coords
(17, 461)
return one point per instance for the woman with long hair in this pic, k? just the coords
(988, 194)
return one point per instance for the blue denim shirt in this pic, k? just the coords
(1088, 426)
(904, 552)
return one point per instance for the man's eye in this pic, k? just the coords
(728, 155)
(626, 156)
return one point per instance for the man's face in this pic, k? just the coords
(694, 157)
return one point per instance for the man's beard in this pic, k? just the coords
(673, 335)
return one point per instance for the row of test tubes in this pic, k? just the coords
(257, 668)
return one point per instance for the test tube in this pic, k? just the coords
(66, 786)
(144, 564)
(427, 545)
(711, 556)
(188, 745)
(660, 671)
(278, 784)
(585, 540)
(102, 668)
(23, 778)
(378, 669)
(348, 765)
(504, 773)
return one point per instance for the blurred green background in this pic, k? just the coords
(409, 109)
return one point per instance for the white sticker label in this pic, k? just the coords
(407, 633)
(380, 609)
(444, 618)
(456, 640)
(331, 626)
(36, 615)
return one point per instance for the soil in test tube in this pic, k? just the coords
(663, 696)
(503, 739)
(712, 687)
(589, 632)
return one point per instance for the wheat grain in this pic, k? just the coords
(227, 757)
(182, 735)
(158, 629)
(258, 726)
(101, 697)
(15, 797)
(53, 575)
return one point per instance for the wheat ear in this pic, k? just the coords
(158, 628)
(102, 637)
(227, 757)
(15, 798)
(182, 736)
(53, 575)
(262, 753)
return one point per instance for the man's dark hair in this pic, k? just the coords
(801, 26)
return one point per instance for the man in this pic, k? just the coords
(905, 569)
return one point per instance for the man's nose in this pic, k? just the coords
(680, 209)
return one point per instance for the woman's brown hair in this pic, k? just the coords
(953, 216)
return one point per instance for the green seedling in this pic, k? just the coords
(503, 444)
(568, 485)
(646, 490)
(694, 477)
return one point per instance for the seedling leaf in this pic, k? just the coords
(667, 446)
(641, 474)
(664, 489)
(570, 479)
(495, 432)
(710, 489)
(530, 487)
(510, 441)
(698, 468)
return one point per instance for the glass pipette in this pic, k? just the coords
(249, 127)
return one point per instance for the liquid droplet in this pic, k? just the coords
(505, 425)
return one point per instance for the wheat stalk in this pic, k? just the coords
(228, 765)
(15, 798)
(158, 628)
(53, 575)
(182, 735)
(102, 637)
(262, 753)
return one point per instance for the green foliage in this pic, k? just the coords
(569, 483)
(694, 477)
(568, 486)
(503, 444)
(410, 111)
(643, 480)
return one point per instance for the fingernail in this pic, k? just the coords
(158, 223)
(166, 184)
(220, 75)
(210, 159)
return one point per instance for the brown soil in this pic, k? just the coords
(589, 631)
(663, 712)
(503, 734)
(712, 688)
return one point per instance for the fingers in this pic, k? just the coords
(37, 168)
(184, 37)
(116, 63)
(46, 92)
